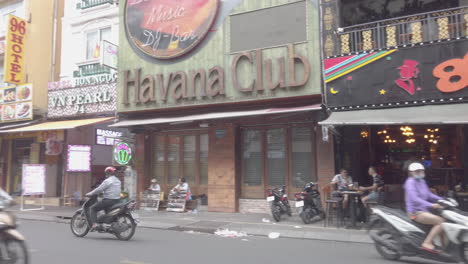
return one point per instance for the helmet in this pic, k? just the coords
(309, 186)
(110, 170)
(415, 166)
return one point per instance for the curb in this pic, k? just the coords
(188, 228)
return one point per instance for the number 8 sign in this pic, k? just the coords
(452, 75)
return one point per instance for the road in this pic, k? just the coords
(53, 243)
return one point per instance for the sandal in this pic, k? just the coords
(435, 251)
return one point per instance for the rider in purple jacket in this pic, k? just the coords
(419, 201)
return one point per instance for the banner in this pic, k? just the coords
(33, 181)
(16, 103)
(109, 53)
(14, 50)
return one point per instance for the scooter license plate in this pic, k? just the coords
(270, 198)
(135, 216)
(299, 203)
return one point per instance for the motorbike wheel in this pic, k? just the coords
(17, 252)
(276, 212)
(384, 251)
(306, 215)
(79, 225)
(127, 234)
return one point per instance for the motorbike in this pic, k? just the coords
(279, 202)
(119, 220)
(12, 243)
(309, 204)
(395, 235)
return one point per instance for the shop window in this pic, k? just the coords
(160, 160)
(252, 157)
(276, 160)
(174, 159)
(204, 159)
(93, 42)
(302, 158)
(190, 167)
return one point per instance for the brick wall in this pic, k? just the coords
(222, 195)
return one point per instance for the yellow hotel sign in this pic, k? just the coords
(14, 50)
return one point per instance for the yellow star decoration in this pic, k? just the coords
(383, 92)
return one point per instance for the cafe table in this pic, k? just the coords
(354, 197)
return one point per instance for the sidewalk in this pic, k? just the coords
(209, 222)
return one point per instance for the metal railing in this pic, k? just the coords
(403, 31)
(91, 69)
(84, 4)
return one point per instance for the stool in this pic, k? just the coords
(333, 211)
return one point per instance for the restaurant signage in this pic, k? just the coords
(33, 179)
(14, 52)
(166, 29)
(419, 75)
(109, 54)
(16, 103)
(83, 81)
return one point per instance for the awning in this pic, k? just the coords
(58, 125)
(217, 115)
(428, 114)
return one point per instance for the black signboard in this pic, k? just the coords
(436, 73)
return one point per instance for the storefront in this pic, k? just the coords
(75, 142)
(234, 114)
(406, 105)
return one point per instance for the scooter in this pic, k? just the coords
(279, 202)
(12, 243)
(120, 219)
(395, 235)
(309, 204)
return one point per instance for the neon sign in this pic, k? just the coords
(123, 153)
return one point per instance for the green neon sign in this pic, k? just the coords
(123, 153)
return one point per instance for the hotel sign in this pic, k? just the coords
(14, 51)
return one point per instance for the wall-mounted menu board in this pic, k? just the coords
(16, 103)
(79, 158)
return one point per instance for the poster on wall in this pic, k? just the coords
(79, 158)
(16, 103)
(33, 182)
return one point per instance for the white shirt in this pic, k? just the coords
(155, 188)
(342, 182)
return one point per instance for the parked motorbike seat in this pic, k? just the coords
(117, 205)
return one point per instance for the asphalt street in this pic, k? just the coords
(51, 243)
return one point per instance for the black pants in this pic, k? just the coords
(102, 205)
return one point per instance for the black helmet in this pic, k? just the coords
(309, 186)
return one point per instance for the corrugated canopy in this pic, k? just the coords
(58, 125)
(428, 114)
(219, 115)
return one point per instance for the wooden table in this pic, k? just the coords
(354, 197)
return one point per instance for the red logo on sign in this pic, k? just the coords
(408, 71)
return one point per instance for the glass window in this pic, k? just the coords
(173, 159)
(190, 167)
(252, 157)
(302, 164)
(204, 159)
(160, 159)
(93, 42)
(276, 156)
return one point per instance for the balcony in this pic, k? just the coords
(91, 69)
(442, 25)
(85, 4)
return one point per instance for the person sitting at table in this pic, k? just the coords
(342, 182)
(154, 187)
(419, 201)
(182, 187)
(374, 189)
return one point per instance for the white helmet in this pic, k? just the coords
(415, 166)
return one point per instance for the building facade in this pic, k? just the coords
(396, 88)
(225, 95)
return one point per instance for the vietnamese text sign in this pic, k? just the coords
(14, 52)
(109, 54)
(16, 103)
(33, 181)
(79, 158)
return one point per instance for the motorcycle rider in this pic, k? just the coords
(110, 188)
(419, 201)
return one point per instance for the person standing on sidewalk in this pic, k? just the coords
(111, 188)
